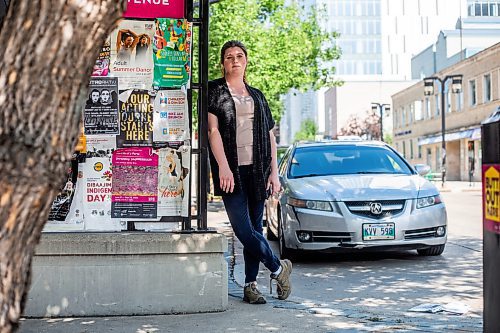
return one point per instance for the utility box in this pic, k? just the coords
(490, 142)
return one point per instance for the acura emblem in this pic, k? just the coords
(376, 208)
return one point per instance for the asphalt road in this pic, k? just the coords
(341, 293)
(384, 286)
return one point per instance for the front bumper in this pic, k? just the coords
(342, 229)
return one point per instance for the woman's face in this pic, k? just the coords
(129, 41)
(144, 40)
(235, 61)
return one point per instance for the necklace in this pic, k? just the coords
(238, 89)
(241, 91)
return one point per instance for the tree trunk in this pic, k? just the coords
(47, 51)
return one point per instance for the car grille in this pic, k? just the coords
(389, 208)
(420, 233)
(335, 237)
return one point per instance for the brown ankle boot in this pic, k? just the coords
(284, 285)
(252, 295)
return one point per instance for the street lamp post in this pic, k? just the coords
(456, 87)
(380, 107)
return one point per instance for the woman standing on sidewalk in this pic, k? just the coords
(244, 167)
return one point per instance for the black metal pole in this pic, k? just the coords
(490, 166)
(381, 107)
(443, 130)
(203, 115)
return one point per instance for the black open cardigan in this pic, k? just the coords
(221, 104)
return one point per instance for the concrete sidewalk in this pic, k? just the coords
(458, 186)
(293, 315)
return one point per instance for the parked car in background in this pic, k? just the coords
(350, 195)
(281, 150)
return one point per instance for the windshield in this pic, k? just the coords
(345, 160)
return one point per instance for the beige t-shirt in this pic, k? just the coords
(244, 128)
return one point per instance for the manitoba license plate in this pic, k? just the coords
(376, 231)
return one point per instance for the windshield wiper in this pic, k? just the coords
(310, 175)
(372, 172)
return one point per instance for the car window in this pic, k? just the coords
(346, 159)
(283, 161)
(281, 151)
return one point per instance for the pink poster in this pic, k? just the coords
(135, 183)
(154, 8)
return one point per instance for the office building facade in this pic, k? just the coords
(417, 118)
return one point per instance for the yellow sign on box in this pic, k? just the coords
(492, 194)
(82, 144)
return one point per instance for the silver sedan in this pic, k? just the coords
(350, 195)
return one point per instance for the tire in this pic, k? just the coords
(434, 250)
(285, 252)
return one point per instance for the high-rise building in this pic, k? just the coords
(301, 106)
(378, 39)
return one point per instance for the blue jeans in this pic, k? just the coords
(245, 215)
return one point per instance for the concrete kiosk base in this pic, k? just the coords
(106, 274)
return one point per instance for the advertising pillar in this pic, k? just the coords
(490, 141)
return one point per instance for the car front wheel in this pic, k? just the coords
(285, 252)
(434, 250)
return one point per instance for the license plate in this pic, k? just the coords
(376, 231)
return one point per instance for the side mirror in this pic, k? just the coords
(422, 169)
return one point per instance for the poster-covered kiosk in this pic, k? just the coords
(120, 238)
(490, 134)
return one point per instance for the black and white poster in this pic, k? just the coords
(136, 119)
(101, 107)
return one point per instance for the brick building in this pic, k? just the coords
(417, 118)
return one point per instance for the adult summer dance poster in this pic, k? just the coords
(132, 54)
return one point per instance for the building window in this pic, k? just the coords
(419, 151)
(487, 88)
(419, 115)
(436, 97)
(438, 159)
(447, 103)
(411, 149)
(472, 92)
(404, 149)
(428, 157)
(428, 108)
(459, 101)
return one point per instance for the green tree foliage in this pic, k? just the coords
(388, 138)
(286, 45)
(308, 130)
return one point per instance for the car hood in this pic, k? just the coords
(360, 187)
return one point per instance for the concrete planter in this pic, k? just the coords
(106, 274)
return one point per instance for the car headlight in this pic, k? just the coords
(310, 204)
(428, 201)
